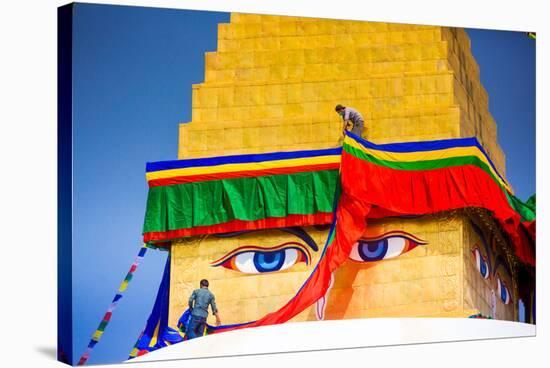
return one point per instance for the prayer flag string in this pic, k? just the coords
(108, 314)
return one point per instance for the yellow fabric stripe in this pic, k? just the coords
(123, 286)
(97, 335)
(243, 167)
(154, 339)
(426, 155)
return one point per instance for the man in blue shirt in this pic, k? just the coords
(198, 305)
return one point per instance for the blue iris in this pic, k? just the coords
(482, 267)
(503, 293)
(372, 250)
(269, 261)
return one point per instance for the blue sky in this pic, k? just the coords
(133, 71)
(507, 70)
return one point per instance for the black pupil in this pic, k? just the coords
(269, 257)
(372, 246)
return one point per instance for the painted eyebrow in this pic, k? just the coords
(500, 261)
(302, 234)
(396, 233)
(297, 231)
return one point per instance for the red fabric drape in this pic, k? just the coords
(430, 191)
(351, 214)
(370, 190)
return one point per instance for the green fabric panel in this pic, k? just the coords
(532, 202)
(154, 211)
(526, 211)
(274, 187)
(188, 205)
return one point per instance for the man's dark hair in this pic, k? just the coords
(204, 282)
(339, 107)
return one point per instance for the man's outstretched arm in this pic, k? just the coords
(215, 311)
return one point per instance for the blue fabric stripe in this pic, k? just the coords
(416, 146)
(424, 146)
(490, 161)
(159, 317)
(214, 328)
(142, 252)
(116, 298)
(239, 159)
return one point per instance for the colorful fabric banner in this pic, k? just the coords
(234, 193)
(387, 180)
(375, 181)
(215, 168)
(437, 180)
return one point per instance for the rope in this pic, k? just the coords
(107, 317)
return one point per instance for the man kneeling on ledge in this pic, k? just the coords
(353, 120)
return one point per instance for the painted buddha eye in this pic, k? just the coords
(481, 263)
(386, 246)
(503, 292)
(252, 259)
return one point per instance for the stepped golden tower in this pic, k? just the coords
(272, 85)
